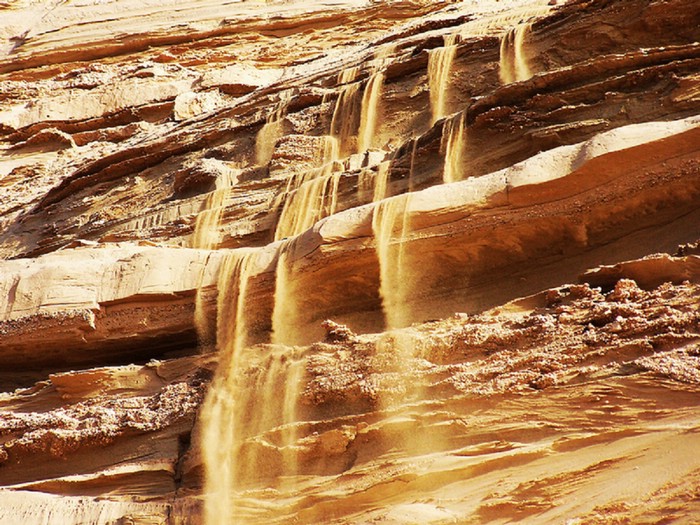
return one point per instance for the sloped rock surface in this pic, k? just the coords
(493, 315)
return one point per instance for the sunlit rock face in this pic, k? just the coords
(349, 262)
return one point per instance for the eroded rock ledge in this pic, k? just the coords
(545, 367)
(563, 389)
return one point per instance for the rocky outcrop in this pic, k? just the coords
(103, 444)
(393, 262)
(101, 305)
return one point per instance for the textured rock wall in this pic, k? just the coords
(473, 192)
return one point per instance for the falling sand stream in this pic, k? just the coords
(271, 131)
(370, 109)
(390, 224)
(403, 401)
(372, 183)
(313, 195)
(452, 147)
(349, 107)
(346, 107)
(206, 229)
(248, 431)
(514, 65)
(250, 417)
(439, 67)
(310, 196)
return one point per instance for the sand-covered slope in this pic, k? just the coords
(349, 261)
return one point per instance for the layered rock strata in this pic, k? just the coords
(392, 262)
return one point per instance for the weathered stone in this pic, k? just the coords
(234, 237)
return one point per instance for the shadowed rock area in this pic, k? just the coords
(395, 262)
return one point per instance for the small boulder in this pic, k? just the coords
(190, 104)
(337, 333)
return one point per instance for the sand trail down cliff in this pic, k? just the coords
(514, 65)
(206, 234)
(452, 146)
(345, 109)
(370, 108)
(355, 118)
(221, 438)
(439, 68)
(312, 200)
(310, 196)
(380, 181)
(286, 325)
(390, 228)
(241, 407)
(271, 131)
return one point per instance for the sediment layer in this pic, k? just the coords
(474, 232)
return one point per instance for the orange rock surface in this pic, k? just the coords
(354, 261)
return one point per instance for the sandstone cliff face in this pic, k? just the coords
(349, 262)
